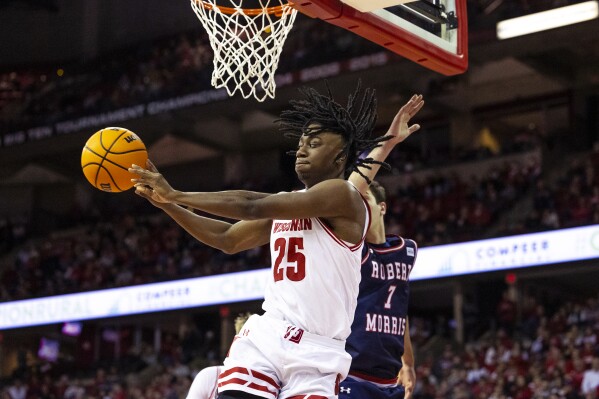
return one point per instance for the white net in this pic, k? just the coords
(247, 43)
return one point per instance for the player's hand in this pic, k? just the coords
(399, 129)
(151, 184)
(407, 378)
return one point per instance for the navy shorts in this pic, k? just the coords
(353, 389)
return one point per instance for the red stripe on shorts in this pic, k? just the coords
(257, 387)
(227, 373)
(265, 378)
(252, 381)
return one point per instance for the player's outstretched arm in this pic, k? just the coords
(229, 238)
(399, 131)
(329, 198)
(407, 374)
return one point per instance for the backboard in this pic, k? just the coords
(432, 33)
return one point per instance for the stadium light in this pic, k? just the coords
(550, 19)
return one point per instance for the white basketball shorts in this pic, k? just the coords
(273, 359)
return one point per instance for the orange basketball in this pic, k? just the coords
(108, 154)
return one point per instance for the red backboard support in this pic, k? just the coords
(393, 37)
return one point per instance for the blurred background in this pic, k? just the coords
(511, 147)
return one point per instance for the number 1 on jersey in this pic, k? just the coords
(291, 250)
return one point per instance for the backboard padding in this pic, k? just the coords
(397, 39)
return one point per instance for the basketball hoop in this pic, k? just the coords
(247, 43)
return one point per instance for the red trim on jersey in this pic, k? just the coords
(365, 258)
(390, 249)
(337, 239)
(308, 397)
(367, 226)
(369, 213)
(415, 247)
(385, 381)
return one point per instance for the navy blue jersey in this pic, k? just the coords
(376, 343)
(352, 388)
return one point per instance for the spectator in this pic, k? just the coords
(590, 380)
(18, 390)
(506, 312)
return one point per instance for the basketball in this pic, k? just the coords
(107, 156)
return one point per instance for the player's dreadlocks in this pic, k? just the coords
(321, 113)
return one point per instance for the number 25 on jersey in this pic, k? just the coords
(293, 259)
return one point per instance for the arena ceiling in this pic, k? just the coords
(547, 66)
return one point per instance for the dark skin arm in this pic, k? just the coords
(334, 200)
(228, 237)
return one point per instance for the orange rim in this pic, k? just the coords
(277, 10)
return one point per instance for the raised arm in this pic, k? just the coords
(399, 131)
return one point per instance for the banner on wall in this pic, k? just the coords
(527, 250)
(193, 99)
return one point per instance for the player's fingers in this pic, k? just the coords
(415, 99)
(419, 106)
(151, 166)
(138, 170)
(140, 191)
(413, 128)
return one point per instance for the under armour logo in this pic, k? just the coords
(294, 334)
(344, 390)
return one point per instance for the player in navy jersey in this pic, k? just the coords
(379, 343)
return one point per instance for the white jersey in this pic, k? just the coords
(316, 276)
(204, 384)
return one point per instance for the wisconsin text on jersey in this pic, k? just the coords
(293, 225)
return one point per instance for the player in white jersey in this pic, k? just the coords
(296, 349)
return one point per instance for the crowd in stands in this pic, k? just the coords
(170, 67)
(173, 66)
(150, 71)
(572, 200)
(445, 208)
(546, 352)
(121, 249)
(143, 373)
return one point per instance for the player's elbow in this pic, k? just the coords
(229, 243)
(230, 249)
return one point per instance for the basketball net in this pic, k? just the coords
(247, 44)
